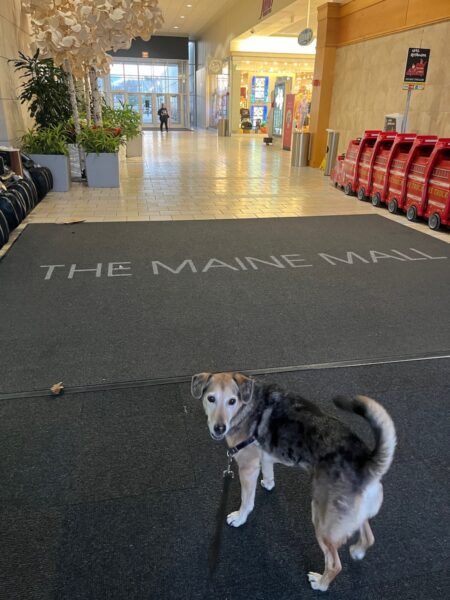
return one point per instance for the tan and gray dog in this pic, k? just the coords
(264, 425)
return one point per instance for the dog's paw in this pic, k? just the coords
(315, 581)
(356, 552)
(236, 518)
(268, 485)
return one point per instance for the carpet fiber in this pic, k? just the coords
(93, 303)
(113, 495)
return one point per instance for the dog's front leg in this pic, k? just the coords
(248, 476)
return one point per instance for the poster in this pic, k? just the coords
(258, 113)
(260, 90)
(417, 65)
(288, 121)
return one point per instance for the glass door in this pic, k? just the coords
(118, 100)
(147, 109)
(133, 101)
(175, 109)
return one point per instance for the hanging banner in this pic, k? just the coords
(266, 8)
(288, 121)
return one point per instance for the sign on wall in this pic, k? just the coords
(417, 66)
(266, 8)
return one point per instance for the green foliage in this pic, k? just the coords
(45, 141)
(125, 117)
(99, 140)
(44, 88)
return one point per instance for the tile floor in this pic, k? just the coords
(197, 175)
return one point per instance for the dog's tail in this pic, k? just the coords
(383, 428)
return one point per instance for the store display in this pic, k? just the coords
(404, 171)
(278, 109)
(246, 122)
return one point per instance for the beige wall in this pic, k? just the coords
(14, 36)
(368, 84)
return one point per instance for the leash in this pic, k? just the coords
(227, 476)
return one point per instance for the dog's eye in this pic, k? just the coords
(211, 399)
(232, 401)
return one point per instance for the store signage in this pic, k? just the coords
(416, 67)
(266, 8)
(288, 121)
(260, 89)
(305, 37)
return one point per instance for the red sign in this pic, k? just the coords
(266, 8)
(288, 121)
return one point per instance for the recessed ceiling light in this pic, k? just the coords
(176, 27)
(189, 5)
(182, 17)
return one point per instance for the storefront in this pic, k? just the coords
(262, 86)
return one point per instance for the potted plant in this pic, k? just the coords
(44, 90)
(102, 155)
(129, 121)
(49, 148)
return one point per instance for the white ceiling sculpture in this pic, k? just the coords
(83, 31)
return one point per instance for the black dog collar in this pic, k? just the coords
(233, 451)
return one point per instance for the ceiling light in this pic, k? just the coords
(189, 5)
(182, 17)
(176, 27)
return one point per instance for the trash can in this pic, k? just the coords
(332, 148)
(300, 149)
(223, 128)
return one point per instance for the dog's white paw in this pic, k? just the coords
(268, 485)
(356, 552)
(315, 581)
(236, 518)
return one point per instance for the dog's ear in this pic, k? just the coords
(245, 385)
(198, 384)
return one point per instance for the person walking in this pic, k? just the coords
(163, 114)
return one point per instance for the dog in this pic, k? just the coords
(264, 425)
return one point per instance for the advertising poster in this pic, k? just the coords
(260, 89)
(258, 115)
(417, 65)
(288, 121)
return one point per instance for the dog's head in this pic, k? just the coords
(223, 395)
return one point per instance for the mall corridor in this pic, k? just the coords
(197, 175)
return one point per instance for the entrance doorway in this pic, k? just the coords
(145, 85)
(147, 105)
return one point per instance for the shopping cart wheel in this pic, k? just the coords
(362, 194)
(376, 200)
(393, 206)
(348, 189)
(434, 222)
(411, 213)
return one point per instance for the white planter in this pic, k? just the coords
(102, 170)
(134, 146)
(59, 165)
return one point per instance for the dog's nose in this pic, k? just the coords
(219, 429)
